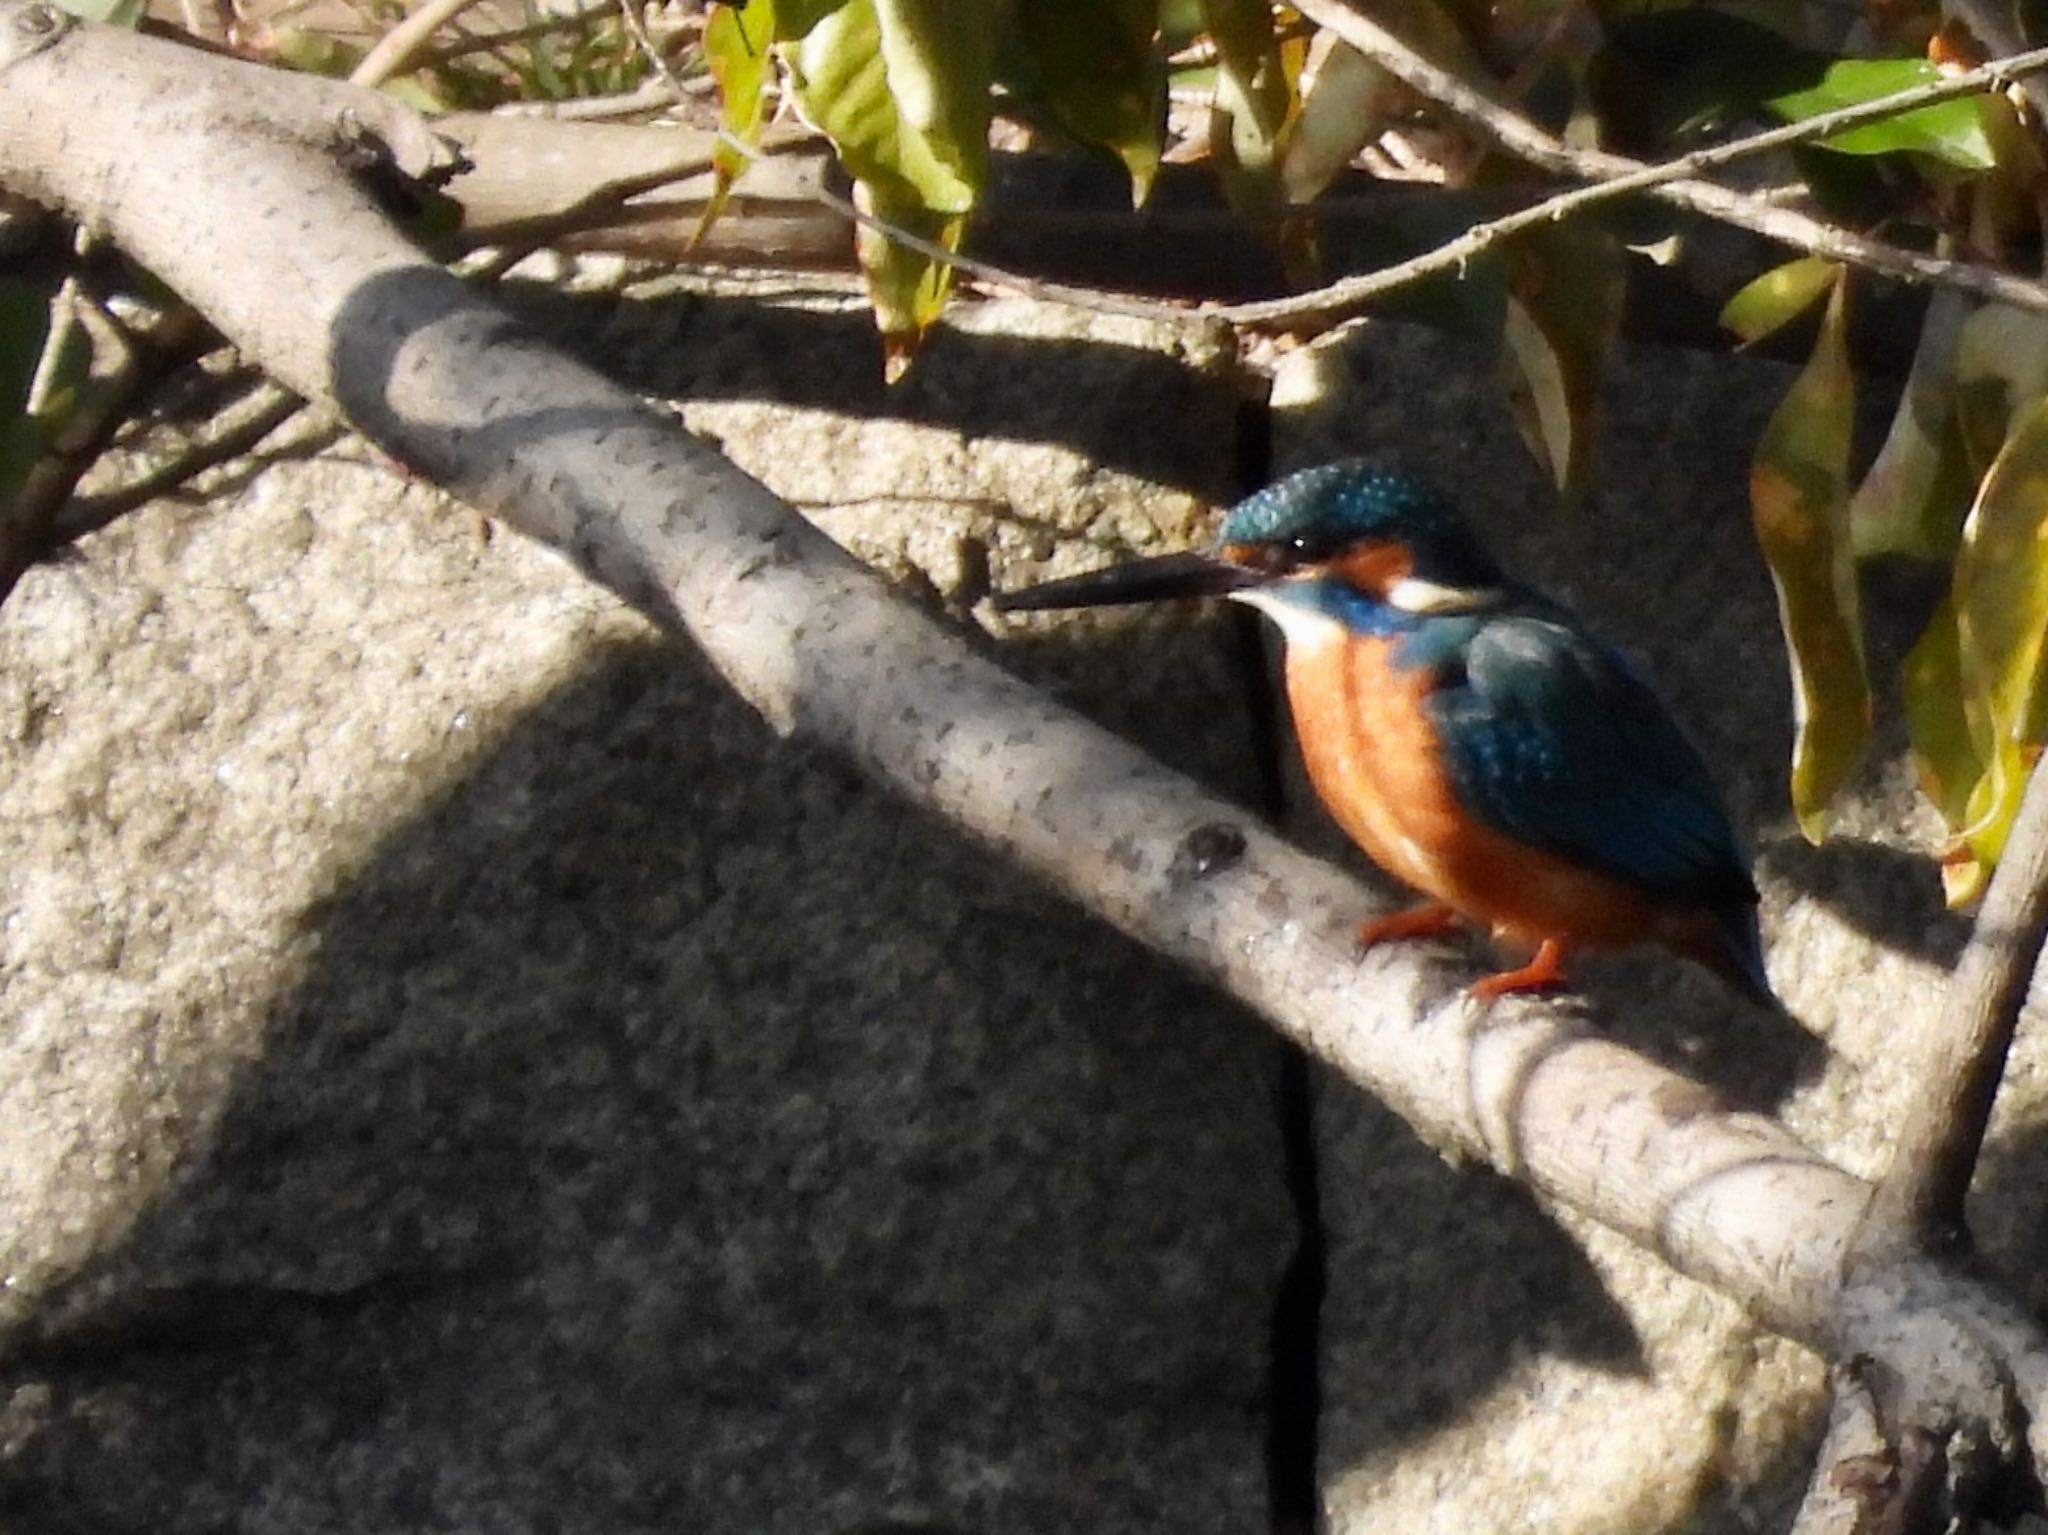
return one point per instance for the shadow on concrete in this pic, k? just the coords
(1890, 894)
(678, 1132)
(2005, 1198)
(674, 1132)
(1104, 401)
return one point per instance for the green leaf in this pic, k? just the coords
(115, 13)
(1253, 99)
(1919, 488)
(1948, 750)
(2000, 368)
(902, 89)
(793, 19)
(2001, 582)
(844, 85)
(1097, 67)
(940, 56)
(1565, 284)
(1799, 495)
(736, 44)
(315, 53)
(1952, 132)
(1779, 297)
(907, 290)
(1951, 748)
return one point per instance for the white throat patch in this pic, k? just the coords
(1301, 626)
(1412, 595)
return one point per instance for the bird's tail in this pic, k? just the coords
(1727, 941)
(1738, 955)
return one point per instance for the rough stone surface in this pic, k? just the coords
(460, 1071)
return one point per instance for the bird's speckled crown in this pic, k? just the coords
(1353, 502)
(1348, 498)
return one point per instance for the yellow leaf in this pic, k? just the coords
(906, 289)
(736, 43)
(1347, 101)
(1949, 748)
(1918, 490)
(1254, 98)
(2001, 366)
(1778, 297)
(1564, 311)
(2001, 578)
(1799, 497)
(902, 89)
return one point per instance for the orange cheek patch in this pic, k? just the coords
(1260, 557)
(1373, 568)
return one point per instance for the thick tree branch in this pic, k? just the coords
(112, 128)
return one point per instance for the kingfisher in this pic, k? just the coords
(1471, 735)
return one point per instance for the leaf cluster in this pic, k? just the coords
(907, 89)
(910, 92)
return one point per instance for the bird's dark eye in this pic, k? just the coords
(1308, 548)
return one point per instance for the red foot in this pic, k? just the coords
(1431, 920)
(1545, 970)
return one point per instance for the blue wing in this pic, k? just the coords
(1553, 738)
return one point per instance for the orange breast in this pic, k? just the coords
(1372, 755)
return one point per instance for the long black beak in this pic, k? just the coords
(1153, 580)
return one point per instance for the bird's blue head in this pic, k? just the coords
(1364, 545)
(1370, 528)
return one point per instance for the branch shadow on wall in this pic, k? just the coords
(675, 1130)
(678, 1131)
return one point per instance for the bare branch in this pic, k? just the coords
(101, 123)
(1919, 1203)
(1523, 138)
(648, 97)
(396, 49)
(434, 373)
(249, 426)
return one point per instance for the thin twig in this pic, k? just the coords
(1648, 177)
(1612, 175)
(1523, 138)
(1919, 1200)
(1999, 34)
(396, 50)
(88, 514)
(648, 96)
(178, 337)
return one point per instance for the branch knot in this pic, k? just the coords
(32, 29)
